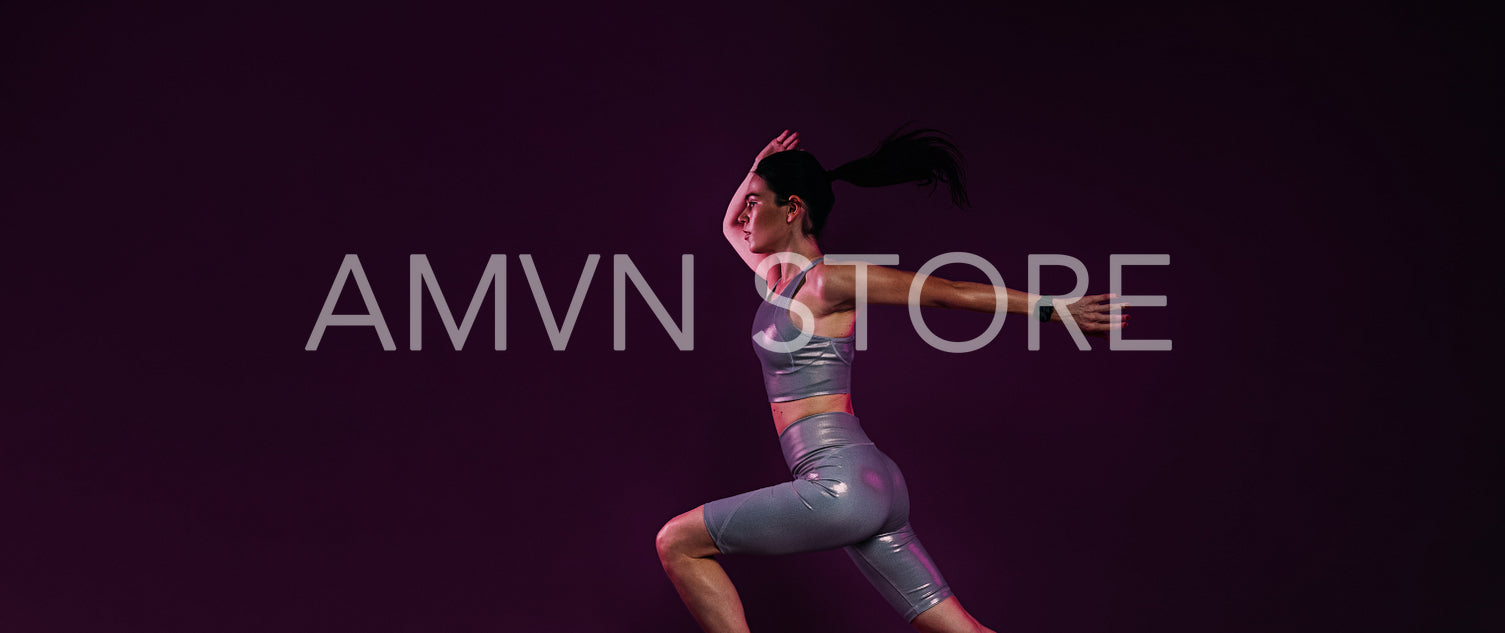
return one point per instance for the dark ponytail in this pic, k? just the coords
(913, 156)
(910, 157)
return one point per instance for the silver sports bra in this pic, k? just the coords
(822, 366)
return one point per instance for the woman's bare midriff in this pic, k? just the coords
(786, 413)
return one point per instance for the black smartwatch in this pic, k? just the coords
(1045, 308)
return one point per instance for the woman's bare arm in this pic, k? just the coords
(838, 287)
(731, 228)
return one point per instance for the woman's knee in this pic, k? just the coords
(685, 535)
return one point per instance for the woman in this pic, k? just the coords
(846, 493)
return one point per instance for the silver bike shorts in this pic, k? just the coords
(846, 493)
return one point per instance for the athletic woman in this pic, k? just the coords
(845, 492)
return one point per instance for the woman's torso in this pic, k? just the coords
(786, 413)
(830, 328)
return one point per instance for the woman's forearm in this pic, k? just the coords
(735, 208)
(981, 298)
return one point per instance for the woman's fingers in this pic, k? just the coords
(778, 144)
(1109, 307)
(785, 140)
(1093, 320)
(1107, 317)
(1095, 317)
(1087, 302)
(1101, 329)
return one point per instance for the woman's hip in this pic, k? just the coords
(823, 434)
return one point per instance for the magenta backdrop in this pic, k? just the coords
(181, 183)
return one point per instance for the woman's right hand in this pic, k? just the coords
(1094, 314)
(783, 142)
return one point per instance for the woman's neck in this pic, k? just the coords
(804, 246)
(788, 269)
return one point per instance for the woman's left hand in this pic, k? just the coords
(783, 142)
(1092, 315)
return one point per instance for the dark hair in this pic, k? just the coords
(903, 157)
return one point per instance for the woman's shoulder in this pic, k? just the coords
(832, 286)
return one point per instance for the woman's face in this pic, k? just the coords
(765, 223)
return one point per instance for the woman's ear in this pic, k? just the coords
(797, 205)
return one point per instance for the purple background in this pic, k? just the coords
(180, 184)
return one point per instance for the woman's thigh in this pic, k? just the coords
(901, 570)
(844, 498)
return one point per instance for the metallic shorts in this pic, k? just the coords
(846, 493)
